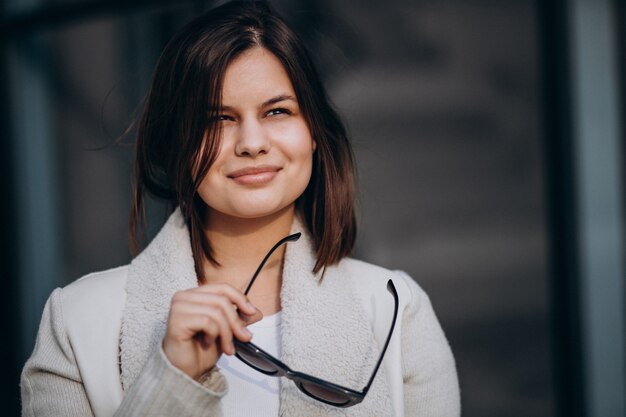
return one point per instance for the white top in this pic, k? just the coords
(250, 392)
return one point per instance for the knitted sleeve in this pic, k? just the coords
(431, 387)
(51, 383)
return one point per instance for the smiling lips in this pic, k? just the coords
(254, 175)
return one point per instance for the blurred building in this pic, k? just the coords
(490, 147)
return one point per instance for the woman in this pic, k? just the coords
(238, 134)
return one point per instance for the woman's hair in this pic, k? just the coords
(178, 138)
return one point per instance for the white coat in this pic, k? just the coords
(99, 333)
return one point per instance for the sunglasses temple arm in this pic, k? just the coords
(286, 239)
(392, 289)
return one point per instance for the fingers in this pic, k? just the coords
(217, 303)
(235, 296)
(249, 319)
(237, 320)
(202, 325)
(220, 313)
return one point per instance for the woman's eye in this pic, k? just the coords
(221, 118)
(278, 111)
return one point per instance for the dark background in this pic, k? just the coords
(477, 171)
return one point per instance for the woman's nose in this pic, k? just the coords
(252, 139)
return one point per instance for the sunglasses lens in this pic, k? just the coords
(258, 362)
(327, 394)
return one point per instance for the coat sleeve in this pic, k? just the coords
(51, 383)
(431, 387)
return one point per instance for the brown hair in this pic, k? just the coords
(177, 127)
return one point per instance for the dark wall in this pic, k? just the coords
(9, 324)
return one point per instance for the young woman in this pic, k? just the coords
(239, 136)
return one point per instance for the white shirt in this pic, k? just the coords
(252, 393)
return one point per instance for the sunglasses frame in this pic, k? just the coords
(353, 397)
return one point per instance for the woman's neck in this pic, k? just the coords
(239, 246)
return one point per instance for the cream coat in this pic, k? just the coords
(100, 336)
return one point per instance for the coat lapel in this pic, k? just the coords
(164, 267)
(323, 331)
(325, 334)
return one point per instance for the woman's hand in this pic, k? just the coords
(202, 323)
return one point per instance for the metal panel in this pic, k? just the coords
(601, 247)
(36, 187)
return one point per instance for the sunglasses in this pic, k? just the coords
(319, 389)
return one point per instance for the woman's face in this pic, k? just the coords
(265, 160)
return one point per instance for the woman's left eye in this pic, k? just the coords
(277, 111)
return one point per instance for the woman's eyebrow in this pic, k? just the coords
(277, 99)
(273, 100)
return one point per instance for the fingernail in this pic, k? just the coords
(251, 306)
(247, 332)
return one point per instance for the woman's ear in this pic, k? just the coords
(314, 146)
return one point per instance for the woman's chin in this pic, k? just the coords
(252, 211)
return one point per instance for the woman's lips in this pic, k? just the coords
(254, 175)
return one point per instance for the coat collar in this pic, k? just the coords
(323, 331)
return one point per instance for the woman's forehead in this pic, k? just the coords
(256, 76)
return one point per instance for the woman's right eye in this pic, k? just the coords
(221, 118)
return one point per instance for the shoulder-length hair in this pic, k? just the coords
(177, 127)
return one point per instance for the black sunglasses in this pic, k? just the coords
(319, 389)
